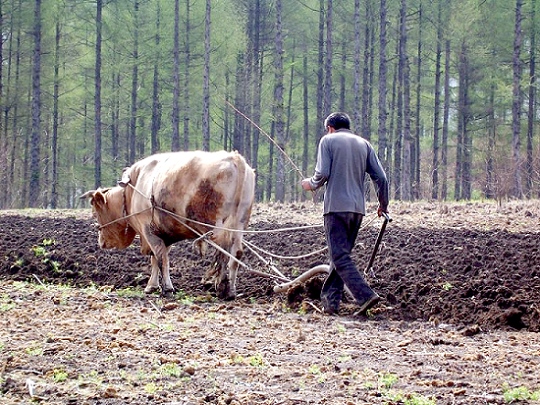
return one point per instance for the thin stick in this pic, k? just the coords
(268, 136)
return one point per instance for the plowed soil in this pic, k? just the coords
(458, 322)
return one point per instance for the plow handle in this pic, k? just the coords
(387, 218)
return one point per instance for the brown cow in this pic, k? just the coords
(170, 197)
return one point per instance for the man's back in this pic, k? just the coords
(343, 161)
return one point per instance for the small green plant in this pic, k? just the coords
(48, 242)
(411, 399)
(447, 286)
(341, 328)
(90, 378)
(54, 265)
(34, 351)
(39, 251)
(314, 369)
(256, 361)
(6, 306)
(151, 388)
(237, 358)
(388, 380)
(519, 394)
(130, 293)
(59, 375)
(6, 303)
(171, 370)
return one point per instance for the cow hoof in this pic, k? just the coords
(169, 293)
(224, 293)
(151, 289)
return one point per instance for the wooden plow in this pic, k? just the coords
(283, 283)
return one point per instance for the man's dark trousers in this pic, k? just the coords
(341, 230)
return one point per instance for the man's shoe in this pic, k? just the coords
(368, 304)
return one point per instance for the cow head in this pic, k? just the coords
(108, 209)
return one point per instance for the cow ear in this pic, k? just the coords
(98, 199)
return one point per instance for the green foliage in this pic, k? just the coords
(512, 395)
(171, 370)
(60, 375)
(130, 292)
(485, 28)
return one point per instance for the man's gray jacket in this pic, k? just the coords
(343, 159)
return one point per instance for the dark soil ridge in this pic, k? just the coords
(480, 280)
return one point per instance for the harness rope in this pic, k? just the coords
(251, 247)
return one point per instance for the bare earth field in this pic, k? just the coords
(459, 321)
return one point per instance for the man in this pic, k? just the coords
(343, 159)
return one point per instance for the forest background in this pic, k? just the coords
(444, 89)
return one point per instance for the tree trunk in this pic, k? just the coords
(489, 191)
(532, 103)
(35, 167)
(517, 189)
(398, 140)
(156, 105)
(16, 140)
(446, 117)
(356, 116)
(5, 144)
(278, 103)
(187, 79)
(329, 57)
(463, 142)
(415, 162)
(319, 130)
(115, 125)
(206, 79)
(134, 85)
(257, 83)
(270, 173)
(175, 114)
(239, 121)
(226, 114)
(437, 107)
(54, 145)
(342, 77)
(365, 131)
(406, 175)
(250, 71)
(383, 114)
(97, 96)
(305, 150)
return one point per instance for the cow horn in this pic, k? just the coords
(88, 194)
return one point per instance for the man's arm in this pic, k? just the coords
(377, 174)
(322, 168)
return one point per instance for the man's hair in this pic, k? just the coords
(338, 120)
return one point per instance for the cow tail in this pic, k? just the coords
(244, 192)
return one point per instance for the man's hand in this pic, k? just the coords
(380, 211)
(306, 184)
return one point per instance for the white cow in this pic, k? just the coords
(174, 196)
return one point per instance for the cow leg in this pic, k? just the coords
(160, 265)
(236, 251)
(167, 287)
(221, 280)
(153, 284)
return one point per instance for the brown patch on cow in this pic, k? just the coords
(205, 204)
